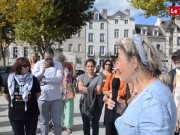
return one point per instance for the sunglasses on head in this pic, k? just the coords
(25, 66)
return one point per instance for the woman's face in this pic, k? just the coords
(124, 67)
(107, 65)
(24, 68)
(33, 58)
(90, 68)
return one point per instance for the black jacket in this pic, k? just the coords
(172, 74)
(89, 102)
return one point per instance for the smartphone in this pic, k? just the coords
(51, 64)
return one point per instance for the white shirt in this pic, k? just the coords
(51, 90)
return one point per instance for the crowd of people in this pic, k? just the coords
(139, 98)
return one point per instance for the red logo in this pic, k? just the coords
(175, 10)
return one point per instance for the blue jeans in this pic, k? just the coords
(86, 124)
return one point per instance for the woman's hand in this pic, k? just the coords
(110, 103)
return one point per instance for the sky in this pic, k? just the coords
(113, 6)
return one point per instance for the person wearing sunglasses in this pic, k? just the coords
(107, 68)
(49, 73)
(22, 92)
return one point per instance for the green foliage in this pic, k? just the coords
(154, 7)
(57, 21)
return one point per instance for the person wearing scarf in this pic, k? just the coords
(22, 91)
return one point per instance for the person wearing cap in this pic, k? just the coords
(176, 60)
(174, 75)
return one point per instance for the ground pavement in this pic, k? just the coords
(5, 128)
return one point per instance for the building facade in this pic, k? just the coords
(99, 37)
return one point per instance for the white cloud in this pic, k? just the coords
(115, 5)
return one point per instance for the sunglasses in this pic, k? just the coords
(25, 66)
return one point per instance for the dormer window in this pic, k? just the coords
(144, 31)
(116, 21)
(155, 32)
(125, 21)
(96, 16)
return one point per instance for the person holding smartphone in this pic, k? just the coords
(49, 74)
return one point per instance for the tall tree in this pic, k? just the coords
(57, 21)
(10, 12)
(158, 8)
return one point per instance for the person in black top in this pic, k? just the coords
(1, 84)
(22, 91)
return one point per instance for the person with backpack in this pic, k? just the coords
(90, 86)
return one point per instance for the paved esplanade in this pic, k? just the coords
(5, 127)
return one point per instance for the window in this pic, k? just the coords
(90, 37)
(125, 33)
(178, 41)
(125, 21)
(15, 52)
(101, 37)
(90, 25)
(116, 49)
(90, 50)
(116, 21)
(144, 31)
(158, 46)
(102, 51)
(96, 16)
(26, 52)
(116, 33)
(70, 48)
(79, 33)
(79, 48)
(102, 26)
(156, 33)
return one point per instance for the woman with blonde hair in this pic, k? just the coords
(152, 111)
(33, 59)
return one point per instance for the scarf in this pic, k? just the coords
(24, 81)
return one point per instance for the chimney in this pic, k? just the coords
(104, 13)
(127, 12)
(158, 22)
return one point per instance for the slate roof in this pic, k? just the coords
(119, 14)
(150, 28)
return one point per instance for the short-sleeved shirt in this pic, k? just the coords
(17, 112)
(95, 81)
